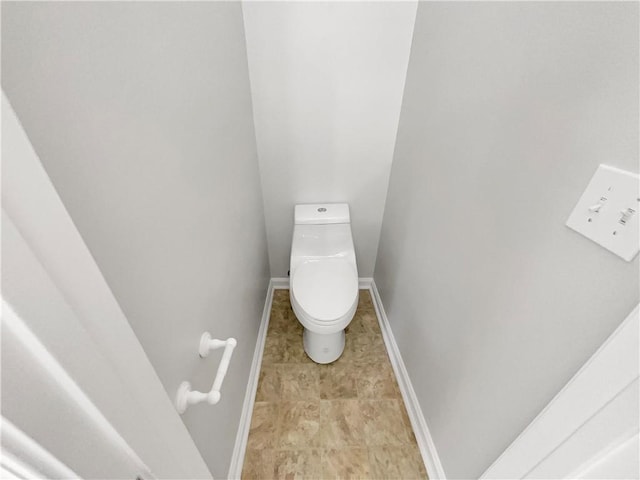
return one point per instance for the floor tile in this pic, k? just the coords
(300, 382)
(376, 380)
(346, 463)
(263, 431)
(370, 321)
(342, 424)
(365, 301)
(364, 348)
(338, 380)
(402, 462)
(293, 349)
(258, 464)
(299, 425)
(269, 384)
(280, 299)
(297, 464)
(284, 320)
(273, 350)
(364, 321)
(383, 423)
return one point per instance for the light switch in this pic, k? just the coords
(607, 212)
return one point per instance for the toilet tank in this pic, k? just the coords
(322, 214)
(321, 231)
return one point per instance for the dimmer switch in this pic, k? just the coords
(607, 211)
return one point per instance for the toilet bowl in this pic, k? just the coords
(323, 278)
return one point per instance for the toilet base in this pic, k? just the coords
(323, 347)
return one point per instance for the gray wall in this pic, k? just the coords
(141, 114)
(508, 109)
(327, 81)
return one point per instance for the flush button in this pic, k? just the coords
(322, 209)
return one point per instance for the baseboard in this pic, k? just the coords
(239, 450)
(280, 283)
(418, 422)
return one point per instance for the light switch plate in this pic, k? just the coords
(608, 210)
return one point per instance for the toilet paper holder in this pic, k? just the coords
(185, 395)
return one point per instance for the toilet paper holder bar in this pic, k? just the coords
(186, 396)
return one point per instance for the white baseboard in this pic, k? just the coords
(280, 283)
(418, 422)
(420, 428)
(239, 450)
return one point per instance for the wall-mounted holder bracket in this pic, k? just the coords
(185, 395)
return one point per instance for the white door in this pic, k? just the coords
(590, 429)
(79, 396)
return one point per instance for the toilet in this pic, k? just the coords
(323, 277)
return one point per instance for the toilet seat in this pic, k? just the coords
(325, 290)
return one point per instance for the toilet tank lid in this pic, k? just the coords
(322, 213)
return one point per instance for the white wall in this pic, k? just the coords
(66, 343)
(495, 304)
(141, 114)
(326, 81)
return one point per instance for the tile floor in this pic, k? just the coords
(342, 420)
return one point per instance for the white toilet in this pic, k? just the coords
(323, 278)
